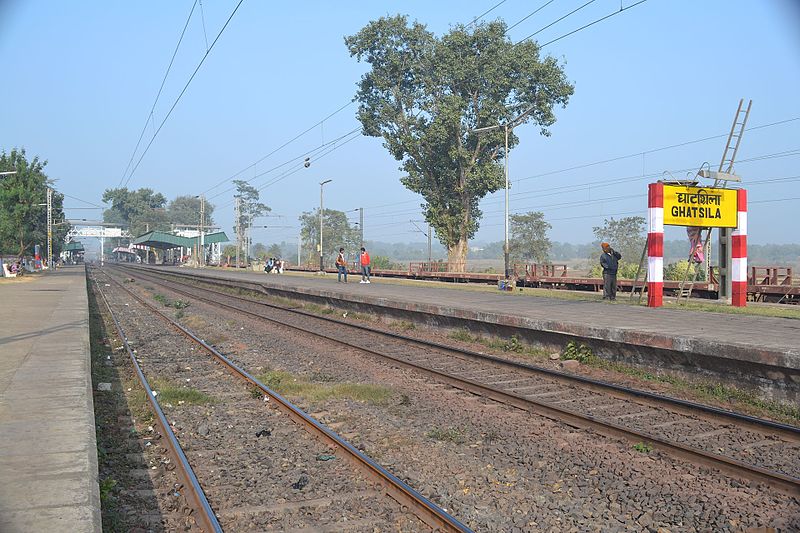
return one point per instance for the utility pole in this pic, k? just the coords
(430, 257)
(237, 216)
(49, 228)
(321, 265)
(202, 257)
(299, 244)
(361, 224)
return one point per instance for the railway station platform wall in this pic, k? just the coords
(48, 450)
(754, 352)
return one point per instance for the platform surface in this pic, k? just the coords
(48, 451)
(766, 340)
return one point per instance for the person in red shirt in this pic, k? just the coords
(364, 266)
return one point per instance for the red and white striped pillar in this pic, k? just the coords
(739, 253)
(655, 245)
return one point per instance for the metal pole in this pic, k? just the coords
(49, 228)
(430, 257)
(299, 244)
(238, 229)
(505, 246)
(202, 257)
(321, 269)
(361, 224)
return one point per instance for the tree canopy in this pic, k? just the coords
(336, 233)
(425, 95)
(626, 235)
(186, 210)
(249, 205)
(23, 220)
(529, 240)
(143, 210)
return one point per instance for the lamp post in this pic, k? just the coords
(321, 184)
(509, 126)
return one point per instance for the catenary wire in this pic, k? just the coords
(149, 144)
(601, 19)
(158, 95)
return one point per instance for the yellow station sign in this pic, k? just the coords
(700, 206)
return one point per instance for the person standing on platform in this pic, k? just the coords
(610, 263)
(341, 266)
(364, 266)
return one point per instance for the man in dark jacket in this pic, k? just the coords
(610, 263)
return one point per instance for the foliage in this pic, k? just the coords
(382, 262)
(626, 235)
(643, 447)
(229, 250)
(529, 241)
(23, 222)
(143, 210)
(275, 251)
(577, 352)
(249, 206)
(424, 95)
(336, 233)
(626, 270)
(677, 271)
(186, 210)
(259, 251)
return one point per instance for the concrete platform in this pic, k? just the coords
(48, 451)
(755, 351)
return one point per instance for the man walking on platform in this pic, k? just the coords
(341, 266)
(610, 263)
(364, 266)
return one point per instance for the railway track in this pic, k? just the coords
(741, 446)
(367, 495)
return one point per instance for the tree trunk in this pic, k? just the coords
(457, 256)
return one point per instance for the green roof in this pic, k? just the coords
(75, 246)
(166, 241)
(162, 240)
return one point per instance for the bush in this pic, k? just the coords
(626, 270)
(677, 271)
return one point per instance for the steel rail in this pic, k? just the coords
(206, 517)
(430, 513)
(787, 484)
(684, 406)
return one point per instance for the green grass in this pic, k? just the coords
(643, 447)
(290, 385)
(173, 394)
(502, 344)
(701, 391)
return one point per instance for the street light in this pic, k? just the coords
(506, 127)
(321, 183)
(8, 173)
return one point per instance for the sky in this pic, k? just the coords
(80, 79)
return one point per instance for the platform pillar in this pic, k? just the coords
(655, 244)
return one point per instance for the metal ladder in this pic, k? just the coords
(725, 165)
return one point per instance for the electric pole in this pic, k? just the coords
(202, 257)
(361, 224)
(49, 228)
(237, 215)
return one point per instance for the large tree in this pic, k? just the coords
(425, 95)
(186, 210)
(143, 210)
(23, 218)
(529, 240)
(627, 235)
(336, 233)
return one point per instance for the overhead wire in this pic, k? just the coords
(183, 91)
(601, 19)
(476, 19)
(158, 94)
(540, 30)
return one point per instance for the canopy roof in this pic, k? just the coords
(75, 246)
(166, 241)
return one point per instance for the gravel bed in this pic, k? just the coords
(496, 468)
(259, 469)
(763, 449)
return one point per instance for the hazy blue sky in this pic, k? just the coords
(79, 79)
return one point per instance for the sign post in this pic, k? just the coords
(709, 207)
